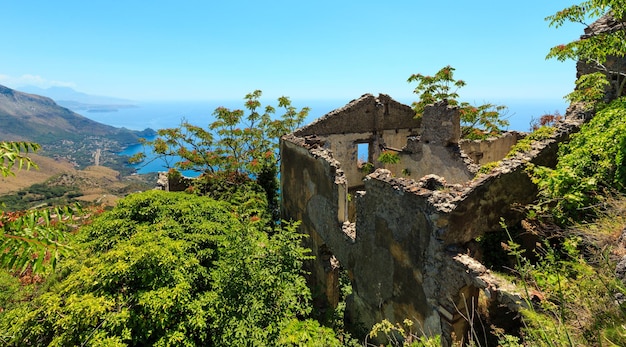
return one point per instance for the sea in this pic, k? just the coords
(161, 115)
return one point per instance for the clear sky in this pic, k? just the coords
(204, 50)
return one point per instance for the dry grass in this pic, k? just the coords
(98, 184)
(48, 167)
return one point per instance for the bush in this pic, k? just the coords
(168, 269)
(591, 164)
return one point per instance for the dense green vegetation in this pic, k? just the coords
(39, 194)
(169, 269)
(591, 166)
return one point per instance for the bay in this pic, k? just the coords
(160, 115)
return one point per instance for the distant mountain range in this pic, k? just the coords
(61, 132)
(77, 101)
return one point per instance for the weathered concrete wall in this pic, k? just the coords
(491, 196)
(436, 150)
(492, 149)
(441, 125)
(392, 242)
(426, 159)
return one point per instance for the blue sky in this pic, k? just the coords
(211, 50)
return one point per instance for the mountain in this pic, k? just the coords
(61, 132)
(72, 99)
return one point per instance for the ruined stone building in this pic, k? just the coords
(403, 231)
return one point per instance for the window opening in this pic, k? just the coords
(363, 152)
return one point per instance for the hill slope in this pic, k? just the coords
(61, 132)
(68, 97)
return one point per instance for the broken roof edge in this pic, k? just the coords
(364, 114)
(315, 147)
(442, 196)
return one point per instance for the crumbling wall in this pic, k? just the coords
(436, 150)
(493, 196)
(493, 149)
(379, 122)
(345, 149)
(314, 191)
(403, 248)
(392, 244)
(363, 115)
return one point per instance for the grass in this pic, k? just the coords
(92, 185)
(571, 278)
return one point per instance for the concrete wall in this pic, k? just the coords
(426, 159)
(363, 115)
(394, 236)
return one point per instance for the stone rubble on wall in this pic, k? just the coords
(405, 251)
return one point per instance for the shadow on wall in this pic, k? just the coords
(396, 227)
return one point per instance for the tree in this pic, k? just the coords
(169, 269)
(31, 238)
(595, 47)
(11, 153)
(237, 146)
(477, 122)
(234, 142)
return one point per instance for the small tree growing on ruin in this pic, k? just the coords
(477, 122)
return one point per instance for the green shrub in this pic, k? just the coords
(388, 157)
(168, 269)
(592, 164)
(525, 144)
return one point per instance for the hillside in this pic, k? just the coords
(48, 167)
(58, 182)
(61, 132)
(69, 98)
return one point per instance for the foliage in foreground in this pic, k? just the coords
(168, 269)
(591, 166)
(35, 238)
(570, 289)
(11, 154)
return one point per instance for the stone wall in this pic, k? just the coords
(606, 24)
(363, 115)
(492, 149)
(314, 191)
(405, 244)
(390, 254)
(436, 150)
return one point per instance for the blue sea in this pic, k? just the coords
(160, 115)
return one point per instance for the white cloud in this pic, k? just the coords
(32, 80)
